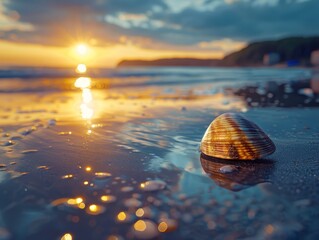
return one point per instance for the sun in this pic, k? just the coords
(81, 49)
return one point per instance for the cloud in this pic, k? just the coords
(225, 45)
(246, 20)
(9, 20)
(60, 22)
(158, 23)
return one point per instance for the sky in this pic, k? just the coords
(46, 32)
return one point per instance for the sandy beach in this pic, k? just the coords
(119, 159)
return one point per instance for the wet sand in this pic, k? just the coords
(61, 153)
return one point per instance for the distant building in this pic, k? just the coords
(314, 59)
(271, 59)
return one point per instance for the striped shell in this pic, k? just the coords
(231, 136)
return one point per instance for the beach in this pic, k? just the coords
(117, 156)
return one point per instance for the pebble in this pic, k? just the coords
(153, 185)
(2, 166)
(52, 122)
(102, 175)
(228, 169)
(167, 225)
(108, 198)
(65, 133)
(68, 176)
(8, 143)
(4, 234)
(145, 229)
(29, 151)
(43, 167)
(26, 131)
(132, 202)
(95, 209)
(114, 237)
(127, 189)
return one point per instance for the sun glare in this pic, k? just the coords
(81, 49)
(83, 82)
(81, 68)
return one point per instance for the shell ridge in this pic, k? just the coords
(231, 136)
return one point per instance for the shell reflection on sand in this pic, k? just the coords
(239, 175)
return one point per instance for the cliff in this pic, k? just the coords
(293, 48)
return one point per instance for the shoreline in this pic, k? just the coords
(63, 151)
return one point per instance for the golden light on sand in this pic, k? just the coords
(81, 49)
(140, 226)
(139, 212)
(83, 82)
(87, 95)
(162, 227)
(93, 208)
(67, 236)
(81, 205)
(86, 111)
(121, 216)
(104, 198)
(79, 200)
(75, 201)
(108, 198)
(81, 68)
(86, 106)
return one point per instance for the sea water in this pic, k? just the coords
(81, 162)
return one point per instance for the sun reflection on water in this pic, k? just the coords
(86, 107)
(81, 68)
(83, 83)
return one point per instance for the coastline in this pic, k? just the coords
(151, 133)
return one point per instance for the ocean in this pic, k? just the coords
(34, 79)
(114, 154)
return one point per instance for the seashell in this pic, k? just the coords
(231, 136)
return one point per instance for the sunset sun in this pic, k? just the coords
(81, 49)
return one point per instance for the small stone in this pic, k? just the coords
(29, 151)
(145, 229)
(52, 122)
(132, 202)
(228, 169)
(127, 189)
(153, 185)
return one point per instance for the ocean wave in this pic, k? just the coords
(13, 80)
